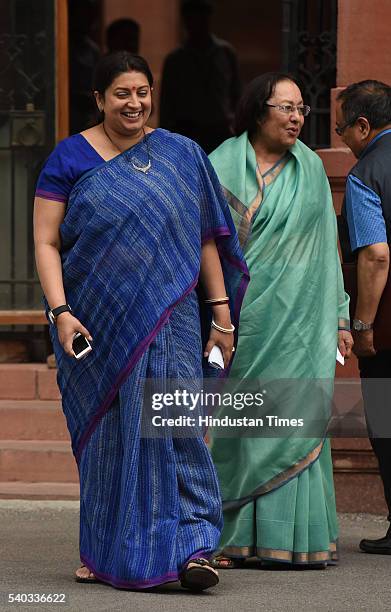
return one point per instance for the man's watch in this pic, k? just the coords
(361, 326)
(53, 314)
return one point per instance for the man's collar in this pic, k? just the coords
(375, 139)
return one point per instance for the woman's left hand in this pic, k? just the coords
(345, 343)
(224, 341)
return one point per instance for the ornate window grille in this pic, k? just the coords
(309, 32)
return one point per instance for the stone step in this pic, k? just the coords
(25, 381)
(32, 420)
(39, 490)
(37, 461)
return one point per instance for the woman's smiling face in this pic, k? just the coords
(127, 103)
(278, 129)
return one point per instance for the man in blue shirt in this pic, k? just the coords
(364, 124)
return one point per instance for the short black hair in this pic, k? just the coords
(196, 6)
(112, 65)
(252, 105)
(121, 29)
(370, 99)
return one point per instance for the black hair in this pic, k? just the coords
(123, 31)
(252, 105)
(189, 7)
(370, 99)
(112, 65)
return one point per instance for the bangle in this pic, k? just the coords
(220, 303)
(224, 330)
(223, 300)
(344, 329)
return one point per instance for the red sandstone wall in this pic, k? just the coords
(363, 41)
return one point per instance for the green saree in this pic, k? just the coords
(278, 493)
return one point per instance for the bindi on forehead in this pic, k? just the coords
(130, 88)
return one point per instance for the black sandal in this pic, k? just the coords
(199, 575)
(89, 579)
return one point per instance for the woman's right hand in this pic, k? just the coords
(67, 327)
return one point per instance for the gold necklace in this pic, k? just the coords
(143, 169)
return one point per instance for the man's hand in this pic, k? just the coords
(363, 343)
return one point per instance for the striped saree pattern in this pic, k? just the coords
(131, 249)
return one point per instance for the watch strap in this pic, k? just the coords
(53, 314)
(359, 325)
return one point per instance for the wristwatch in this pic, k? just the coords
(53, 314)
(361, 326)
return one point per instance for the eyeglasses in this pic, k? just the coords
(340, 130)
(288, 109)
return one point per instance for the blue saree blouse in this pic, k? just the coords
(71, 158)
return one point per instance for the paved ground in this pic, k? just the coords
(38, 553)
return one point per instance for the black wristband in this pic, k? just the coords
(53, 314)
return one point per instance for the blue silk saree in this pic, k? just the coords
(131, 249)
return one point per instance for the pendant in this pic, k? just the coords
(143, 169)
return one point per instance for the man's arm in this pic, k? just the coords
(372, 272)
(368, 237)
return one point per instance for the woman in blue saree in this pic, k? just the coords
(127, 221)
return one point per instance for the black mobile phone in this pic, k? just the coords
(80, 346)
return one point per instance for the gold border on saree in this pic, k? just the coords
(287, 556)
(278, 480)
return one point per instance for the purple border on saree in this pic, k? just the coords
(139, 351)
(124, 584)
(238, 300)
(217, 233)
(220, 232)
(143, 584)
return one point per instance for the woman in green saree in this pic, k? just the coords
(278, 493)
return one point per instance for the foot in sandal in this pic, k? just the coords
(199, 575)
(83, 574)
(222, 562)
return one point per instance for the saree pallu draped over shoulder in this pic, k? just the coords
(131, 252)
(278, 495)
